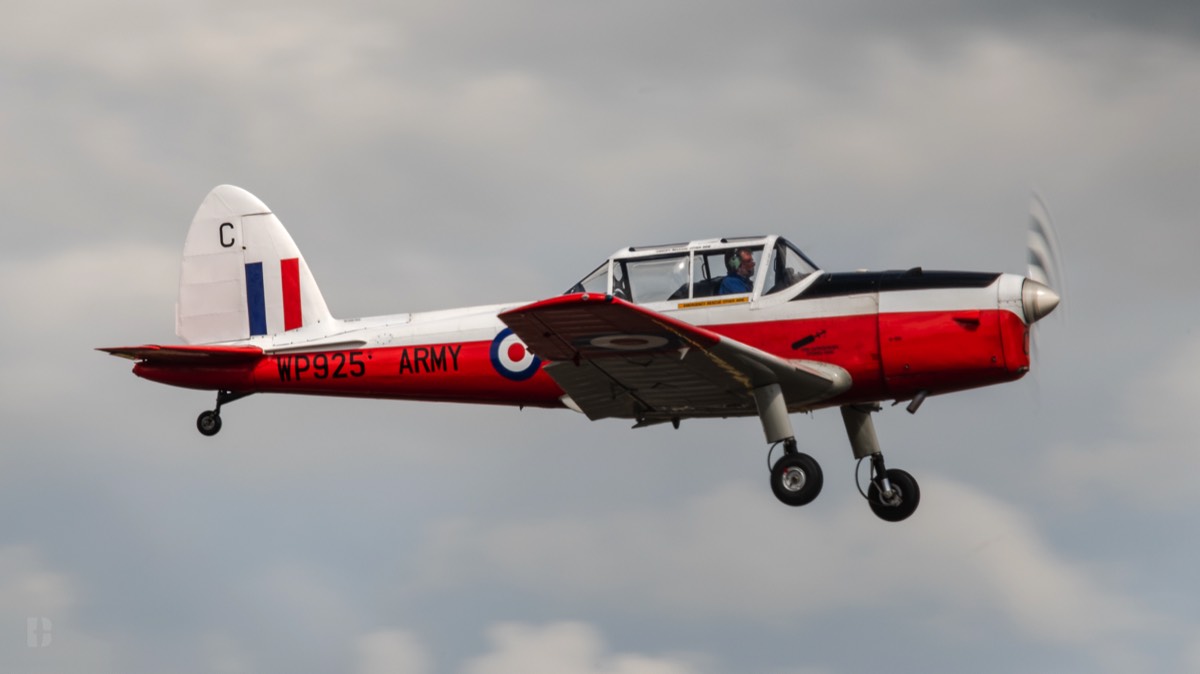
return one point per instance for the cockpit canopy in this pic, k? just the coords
(699, 269)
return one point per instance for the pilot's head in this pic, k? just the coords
(741, 262)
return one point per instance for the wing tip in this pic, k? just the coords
(128, 352)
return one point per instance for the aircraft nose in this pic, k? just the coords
(1037, 300)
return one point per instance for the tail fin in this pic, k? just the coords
(242, 274)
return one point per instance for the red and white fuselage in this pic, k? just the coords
(896, 334)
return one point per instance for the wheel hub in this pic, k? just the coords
(794, 479)
(895, 499)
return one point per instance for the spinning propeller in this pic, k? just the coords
(1046, 286)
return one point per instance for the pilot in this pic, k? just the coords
(741, 273)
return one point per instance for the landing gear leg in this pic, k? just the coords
(209, 421)
(893, 494)
(796, 478)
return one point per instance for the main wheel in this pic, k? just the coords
(796, 479)
(903, 502)
(208, 423)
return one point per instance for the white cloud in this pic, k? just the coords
(736, 554)
(306, 599)
(1151, 460)
(136, 42)
(420, 127)
(61, 306)
(1191, 654)
(391, 651)
(222, 654)
(563, 648)
(519, 648)
(65, 288)
(39, 629)
(28, 588)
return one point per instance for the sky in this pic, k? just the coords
(438, 154)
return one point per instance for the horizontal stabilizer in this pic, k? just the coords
(196, 355)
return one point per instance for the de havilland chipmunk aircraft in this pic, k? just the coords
(713, 328)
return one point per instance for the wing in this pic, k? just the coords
(616, 359)
(184, 354)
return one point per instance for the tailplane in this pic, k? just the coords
(242, 275)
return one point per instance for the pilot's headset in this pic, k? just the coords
(733, 261)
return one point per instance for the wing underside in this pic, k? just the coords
(616, 359)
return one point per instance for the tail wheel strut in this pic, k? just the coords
(209, 421)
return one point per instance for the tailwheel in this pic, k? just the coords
(209, 422)
(796, 479)
(894, 496)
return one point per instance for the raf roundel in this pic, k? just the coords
(512, 358)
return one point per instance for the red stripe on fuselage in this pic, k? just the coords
(290, 272)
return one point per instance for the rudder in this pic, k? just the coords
(243, 275)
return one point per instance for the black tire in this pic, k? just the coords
(208, 423)
(796, 479)
(909, 497)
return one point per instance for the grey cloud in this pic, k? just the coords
(428, 155)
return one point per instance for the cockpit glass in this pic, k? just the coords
(788, 267)
(595, 282)
(653, 279)
(704, 272)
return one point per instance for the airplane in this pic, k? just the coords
(714, 328)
